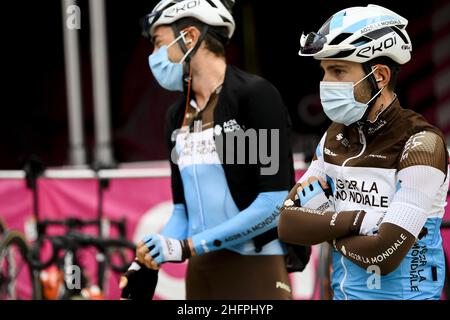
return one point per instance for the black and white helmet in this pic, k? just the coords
(210, 12)
(360, 34)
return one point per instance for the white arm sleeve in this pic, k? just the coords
(419, 187)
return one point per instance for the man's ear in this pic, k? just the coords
(382, 75)
(192, 34)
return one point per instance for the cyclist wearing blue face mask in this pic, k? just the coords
(225, 213)
(168, 74)
(376, 188)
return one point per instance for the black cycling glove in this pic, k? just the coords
(141, 283)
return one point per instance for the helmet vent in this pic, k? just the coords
(378, 33)
(361, 41)
(339, 38)
(225, 19)
(397, 30)
(342, 54)
(212, 4)
(229, 4)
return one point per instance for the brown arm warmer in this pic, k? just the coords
(385, 250)
(304, 226)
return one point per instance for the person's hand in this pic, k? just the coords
(143, 256)
(371, 222)
(314, 193)
(138, 283)
(157, 249)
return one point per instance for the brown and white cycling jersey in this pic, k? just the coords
(389, 175)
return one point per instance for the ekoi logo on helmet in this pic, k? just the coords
(369, 51)
(182, 7)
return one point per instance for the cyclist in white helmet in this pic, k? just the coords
(225, 213)
(377, 186)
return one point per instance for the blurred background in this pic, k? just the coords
(34, 113)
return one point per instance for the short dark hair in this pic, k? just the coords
(391, 64)
(215, 39)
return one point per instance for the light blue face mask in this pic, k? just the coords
(168, 74)
(338, 101)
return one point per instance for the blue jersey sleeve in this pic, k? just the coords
(261, 216)
(177, 226)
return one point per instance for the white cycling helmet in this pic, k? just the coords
(360, 34)
(210, 12)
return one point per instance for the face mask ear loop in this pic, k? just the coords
(379, 92)
(182, 34)
(186, 55)
(368, 75)
(364, 117)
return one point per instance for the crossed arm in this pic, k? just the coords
(307, 227)
(421, 179)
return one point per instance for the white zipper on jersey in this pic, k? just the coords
(197, 186)
(343, 278)
(362, 140)
(198, 197)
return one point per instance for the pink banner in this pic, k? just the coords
(146, 205)
(15, 203)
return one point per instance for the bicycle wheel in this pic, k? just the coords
(120, 258)
(119, 254)
(18, 281)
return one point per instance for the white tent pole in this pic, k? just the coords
(77, 151)
(103, 150)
